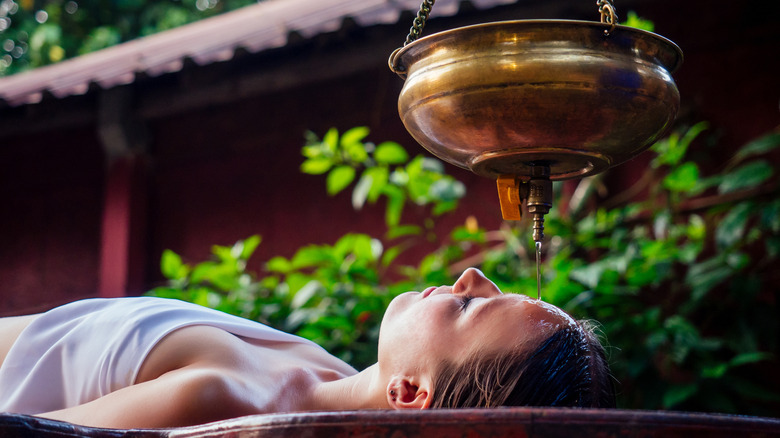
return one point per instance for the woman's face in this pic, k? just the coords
(471, 316)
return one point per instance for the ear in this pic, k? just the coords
(408, 393)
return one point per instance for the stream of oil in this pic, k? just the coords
(538, 270)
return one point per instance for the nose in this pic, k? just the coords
(473, 282)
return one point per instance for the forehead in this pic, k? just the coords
(520, 322)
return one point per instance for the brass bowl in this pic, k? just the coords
(500, 98)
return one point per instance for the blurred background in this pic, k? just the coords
(249, 156)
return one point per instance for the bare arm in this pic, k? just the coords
(183, 397)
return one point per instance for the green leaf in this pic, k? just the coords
(379, 178)
(305, 294)
(588, 275)
(395, 205)
(311, 255)
(715, 371)
(751, 357)
(390, 255)
(339, 178)
(354, 136)
(356, 153)
(403, 230)
(640, 23)
(770, 216)
(312, 151)
(172, 267)
(747, 176)
(331, 140)
(682, 178)
(249, 246)
(759, 146)
(222, 276)
(673, 148)
(706, 280)
(316, 166)
(678, 394)
(225, 253)
(697, 228)
(279, 264)
(390, 153)
(361, 190)
(444, 207)
(732, 227)
(447, 189)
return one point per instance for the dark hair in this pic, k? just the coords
(569, 368)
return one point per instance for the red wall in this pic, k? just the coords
(51, 191)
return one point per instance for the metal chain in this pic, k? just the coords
(608, 14)
(606, 9)
(419, 21)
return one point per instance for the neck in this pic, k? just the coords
(363, 390)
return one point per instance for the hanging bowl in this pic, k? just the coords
(501, 98)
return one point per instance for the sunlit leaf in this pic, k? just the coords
(379, 178)
(310, 256)
(172, 266)
(682, 178)
(312, 151)
(395, 205)
(316, 166)
(357, 153)
(390, 153)
(361, 190)
(305, 294)
(279, 264)
(588, 275)
(331, 140)
(443, 207)
(250, 245)
(339, 178)
(403, 230)
(353, 136)
(634, 20)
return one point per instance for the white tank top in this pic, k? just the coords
(84, 350)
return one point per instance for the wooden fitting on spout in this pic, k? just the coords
(509, 197)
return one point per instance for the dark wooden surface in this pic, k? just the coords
(509, 422)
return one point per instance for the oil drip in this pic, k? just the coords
(538, 270)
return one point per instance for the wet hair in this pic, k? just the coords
(569, 369)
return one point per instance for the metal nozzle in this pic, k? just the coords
(539, 199)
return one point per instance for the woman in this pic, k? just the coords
(150, 362)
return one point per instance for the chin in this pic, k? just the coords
(396, 308)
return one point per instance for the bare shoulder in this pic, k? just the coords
(208, 347)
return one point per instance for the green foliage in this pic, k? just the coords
(680, 278)
(386, 172)
(634, 20)
(37, 33)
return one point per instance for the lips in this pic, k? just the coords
(428, 291)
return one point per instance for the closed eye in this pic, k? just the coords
(464, 301)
